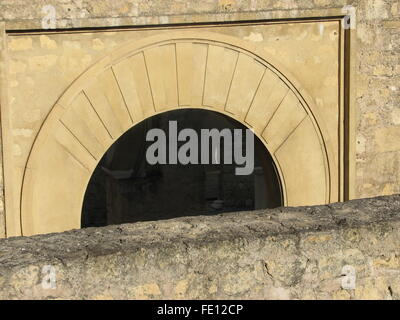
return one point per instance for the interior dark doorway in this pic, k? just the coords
(126, 188)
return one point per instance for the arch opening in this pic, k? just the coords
(125, 188)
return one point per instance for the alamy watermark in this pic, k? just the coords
(49, 19)
(349, 20)
(348, 277)
(199, 150)
(48, 277)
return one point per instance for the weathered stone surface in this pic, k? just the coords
(285, 253)
(375, 57)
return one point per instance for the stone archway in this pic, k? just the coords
(179, 70)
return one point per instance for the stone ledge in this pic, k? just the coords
(289, 253)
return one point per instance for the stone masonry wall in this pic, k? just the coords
(284, 253)
(377, 58)
(377, 54)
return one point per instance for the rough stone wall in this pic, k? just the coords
(287, 253)
(377, 53)
(378, 98)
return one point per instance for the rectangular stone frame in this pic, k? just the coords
(348, 109)
(3, 101)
